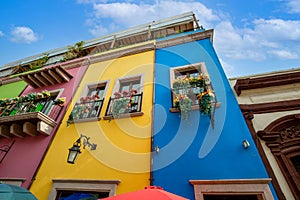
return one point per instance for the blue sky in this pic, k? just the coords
(251, 36)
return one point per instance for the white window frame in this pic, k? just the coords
(109, 186)
(128, 79)
(259, 187)
(200, 66)
(89, 86)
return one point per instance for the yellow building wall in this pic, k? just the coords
(123, 145)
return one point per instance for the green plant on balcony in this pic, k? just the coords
(184, 104)
(75, 51)
(120, 106)
(33, 102)
(199, 81)
(87, 107)
(31, 66)
(205, 102)
(189, 91)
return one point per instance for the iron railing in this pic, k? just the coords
(130, 104)
(191, 92)
(47, 106)
(86, 110)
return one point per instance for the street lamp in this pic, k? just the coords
(75, 149)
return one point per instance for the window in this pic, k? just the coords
(97, 188)
(282, 137)
(232, 197)
(130, 85)
(191, 83)
(296, 163)
(62, 195)
(90, 103)
(126, 100)
(242, 189)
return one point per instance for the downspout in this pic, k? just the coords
(151, 179)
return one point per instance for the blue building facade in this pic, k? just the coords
(200, 146)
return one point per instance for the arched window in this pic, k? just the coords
(282, 136)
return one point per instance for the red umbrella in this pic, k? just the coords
(149, 193)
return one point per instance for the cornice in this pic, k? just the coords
(266, 81)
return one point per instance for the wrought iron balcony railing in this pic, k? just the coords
(124, 106)
(86, 110)
(47, 106)
(29, 117)
(191, 92)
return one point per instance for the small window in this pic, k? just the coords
(126, 98)
(62, 195)
(191, 84)
(90, 103)
(98, 89)
(296, 163)
(82, 189)
(129, 84)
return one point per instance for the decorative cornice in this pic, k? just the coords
(231, 181)
(86, 181)
(266, 81)
(185, 39)
(271, 107)
(122, 52)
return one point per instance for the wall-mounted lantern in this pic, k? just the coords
(75, 149)
(246, 144)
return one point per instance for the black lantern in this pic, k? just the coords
(75, 149)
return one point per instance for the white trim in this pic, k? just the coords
(128, 79)
(200, 66)
(83, 185)
(259, 187)
(95, 84)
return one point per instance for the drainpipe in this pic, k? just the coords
(151, 179)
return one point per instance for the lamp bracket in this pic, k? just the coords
(85, 141)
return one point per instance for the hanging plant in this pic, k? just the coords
(184, 104)
(205, 102)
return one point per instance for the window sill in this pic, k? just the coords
(125, 115)
(85, 120)
(194, 107)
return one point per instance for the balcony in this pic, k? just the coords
(193, 92)
(21, 117)
(86, 110)
(123, 107)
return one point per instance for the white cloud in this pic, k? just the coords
(258, 40)
(284, 54)
(127, 15)
(1, 34)
(293, 6)
(275, 38)
(23, 34)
